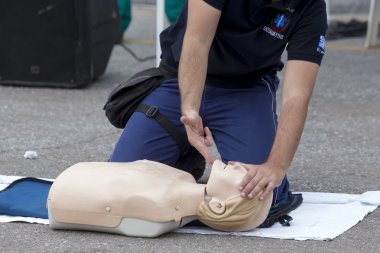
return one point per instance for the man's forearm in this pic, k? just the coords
(192, 74)
(289, 131)
(299, 83)
(202, 21)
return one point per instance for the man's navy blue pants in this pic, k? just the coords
(243, 122)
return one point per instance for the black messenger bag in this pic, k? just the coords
(126, 99)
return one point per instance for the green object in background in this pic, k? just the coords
(125, 14)
(173, 8)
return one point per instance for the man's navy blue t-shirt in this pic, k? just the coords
(252, 35)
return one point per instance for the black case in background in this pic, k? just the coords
(56, 43)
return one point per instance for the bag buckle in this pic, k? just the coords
(152, 112)
(285, 220)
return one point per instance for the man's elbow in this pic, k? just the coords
(194, 40)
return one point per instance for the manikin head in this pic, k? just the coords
(105, 194)
(223, 208)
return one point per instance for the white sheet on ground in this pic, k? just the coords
(322, 216)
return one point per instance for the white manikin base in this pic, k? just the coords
(127, 226)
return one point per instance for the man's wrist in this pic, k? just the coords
(273, 163)
(189, 110)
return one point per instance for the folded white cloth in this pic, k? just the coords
(6, 218)
(322, 216)
(6, 180)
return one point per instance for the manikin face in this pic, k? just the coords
(223, 208)
(222, 185)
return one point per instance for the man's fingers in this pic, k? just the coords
(250, 185)
(259, 187)
(268, 191)
(209, 141)
(199, 143)
(205, 152)
(247, 178)
(199, 137)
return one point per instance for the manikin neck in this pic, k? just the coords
(192, 196)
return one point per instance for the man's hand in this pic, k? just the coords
(199, 137)
(260, 179)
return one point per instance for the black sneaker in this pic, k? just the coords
(279, 213)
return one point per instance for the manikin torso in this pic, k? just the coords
(141, 198)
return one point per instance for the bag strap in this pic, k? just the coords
(154, 113)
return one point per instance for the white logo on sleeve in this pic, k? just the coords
(321, 44)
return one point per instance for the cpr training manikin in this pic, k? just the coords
(147, 199)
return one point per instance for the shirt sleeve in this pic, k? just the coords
(307, 42)
(218, 4)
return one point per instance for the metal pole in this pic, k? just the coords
(373, 24)
(160, 22)
(328, 11)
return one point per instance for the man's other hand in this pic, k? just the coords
(199, 137)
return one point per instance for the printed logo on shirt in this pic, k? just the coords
(278, 25)
(280, 21)
(321, 44)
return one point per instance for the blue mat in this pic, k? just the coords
(25, 197)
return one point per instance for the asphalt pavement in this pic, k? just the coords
(339, 150)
